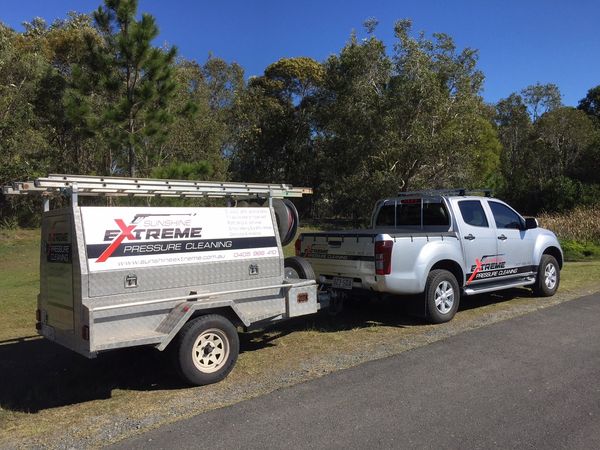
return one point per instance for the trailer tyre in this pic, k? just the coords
(442, 296)
(207, 349)
(287, 218)
(296, 267)
(548, 277)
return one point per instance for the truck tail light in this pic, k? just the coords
(298, 246)
(85, 332)
(383, 257)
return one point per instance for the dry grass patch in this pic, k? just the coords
(582, 224)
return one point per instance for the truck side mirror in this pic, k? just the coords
(531, 223)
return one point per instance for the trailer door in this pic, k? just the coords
(57, 271)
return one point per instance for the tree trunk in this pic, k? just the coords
(132, 162)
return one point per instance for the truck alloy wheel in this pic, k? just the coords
(442, 296)
(548, 277)
(206, 349)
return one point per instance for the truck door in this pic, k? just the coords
(514, 242)
(479, 241)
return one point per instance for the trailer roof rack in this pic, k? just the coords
(88, 185)
(447, 192)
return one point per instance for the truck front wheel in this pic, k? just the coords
(548, 277)
(206, 349)
(442, 296)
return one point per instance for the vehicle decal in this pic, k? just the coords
(123, 237)
(494, 266)
(318, 251)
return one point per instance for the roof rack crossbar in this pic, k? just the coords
(446, 192)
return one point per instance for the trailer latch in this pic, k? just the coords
(131, 281)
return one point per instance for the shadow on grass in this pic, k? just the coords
(38, 374)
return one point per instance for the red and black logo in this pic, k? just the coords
(156, 234)
(493, 266)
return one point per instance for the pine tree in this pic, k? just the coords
(133, 80)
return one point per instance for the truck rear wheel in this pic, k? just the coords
(442, 296)
(207, 349)
(548, 277)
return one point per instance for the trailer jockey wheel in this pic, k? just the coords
(206, 349)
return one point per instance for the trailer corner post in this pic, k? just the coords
(74, 195)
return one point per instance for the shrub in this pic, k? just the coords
(580, 251)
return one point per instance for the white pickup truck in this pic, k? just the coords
(441, 244)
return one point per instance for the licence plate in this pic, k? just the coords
(342, 283)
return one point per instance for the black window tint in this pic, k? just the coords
(408, 214)
(435, 214)
(505, 217)
(385, 218)
(472, 213)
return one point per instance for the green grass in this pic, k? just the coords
(48, 390)
(19, 282)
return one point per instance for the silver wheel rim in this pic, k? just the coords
(210, 351)
(444, 297)
(291, 273)
(550, 276)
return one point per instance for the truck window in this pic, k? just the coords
(472, 213)
(505, 217)
(408, 214)
(386, 215)
(435, 214)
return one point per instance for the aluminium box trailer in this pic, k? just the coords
(182, 277)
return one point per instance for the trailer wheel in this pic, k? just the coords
(207, 349)
(548, 277)
(442, 296)
(296, 267)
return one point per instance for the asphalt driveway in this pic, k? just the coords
(528, 382)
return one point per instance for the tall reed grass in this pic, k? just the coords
(581, 224)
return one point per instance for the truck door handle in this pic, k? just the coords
(469, 237)
(502, 237)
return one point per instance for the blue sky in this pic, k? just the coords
(520, 42)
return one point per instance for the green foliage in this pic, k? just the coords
(274, 138)
(580, 251)
(590, 104)
(184, 171)
(412, 120)
(204, 100)
(9, 223)
(90, 94)
(136, 77)
(541, 98)
(550, 152)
